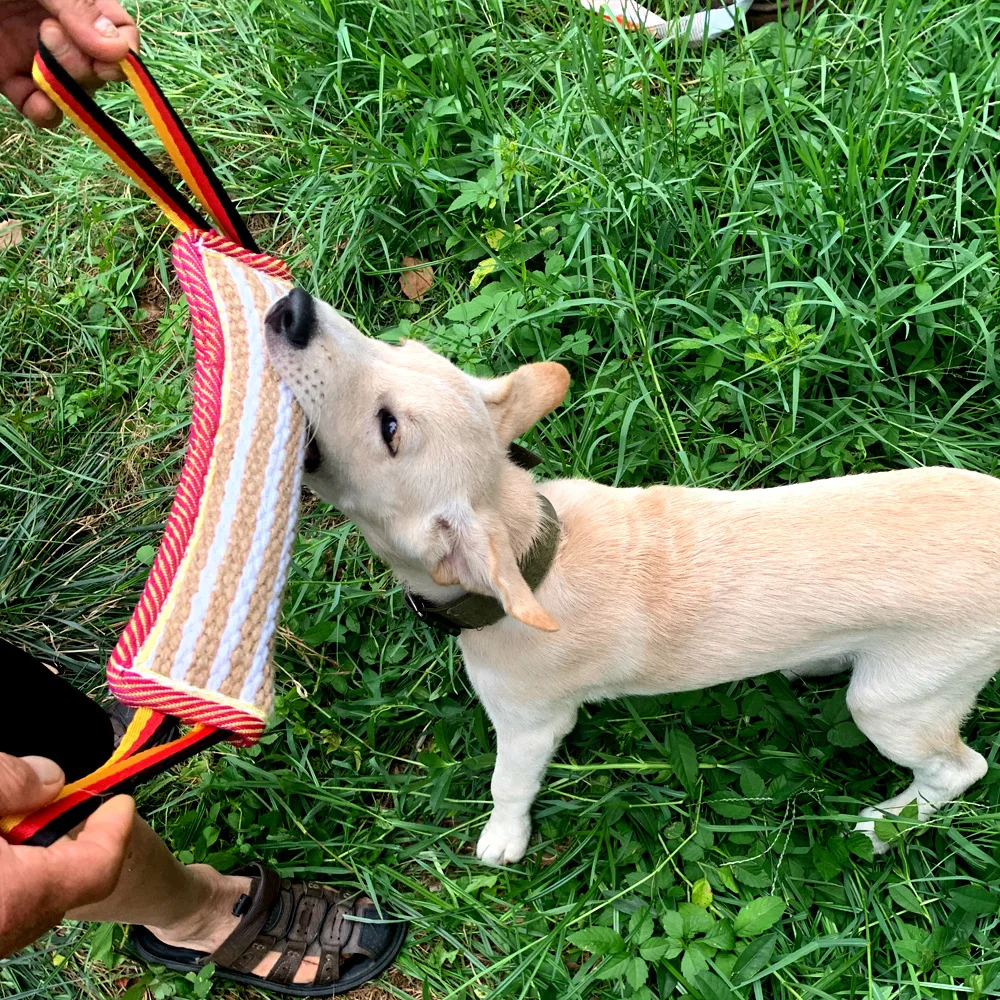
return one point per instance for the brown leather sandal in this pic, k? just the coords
(353, 941)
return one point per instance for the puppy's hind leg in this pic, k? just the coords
(913, 713)
(527, 737)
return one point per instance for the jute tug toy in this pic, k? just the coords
(198, 646)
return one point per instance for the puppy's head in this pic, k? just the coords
(412, 448)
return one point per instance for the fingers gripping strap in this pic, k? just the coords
(84, 111)
(140, 756)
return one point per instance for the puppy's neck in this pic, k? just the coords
(517, 505)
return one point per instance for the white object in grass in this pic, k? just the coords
(693, 27)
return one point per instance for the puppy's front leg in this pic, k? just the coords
(526, 739)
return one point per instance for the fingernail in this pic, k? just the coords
(52, 38)
(48, 771)
(105, 27)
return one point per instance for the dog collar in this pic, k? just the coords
(477, 610)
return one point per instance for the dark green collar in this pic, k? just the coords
(477, 610)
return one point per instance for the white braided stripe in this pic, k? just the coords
(211, 640)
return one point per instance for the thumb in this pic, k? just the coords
(91, 860)
(28, 783)
(94, 26)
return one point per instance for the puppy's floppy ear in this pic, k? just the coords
(517, 401)
(478, 556)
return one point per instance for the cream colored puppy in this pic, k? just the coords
(895, 575)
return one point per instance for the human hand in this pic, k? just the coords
(39, 884)
(88, 37)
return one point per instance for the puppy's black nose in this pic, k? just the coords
(294, 317)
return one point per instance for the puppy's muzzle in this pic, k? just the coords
(293, 318)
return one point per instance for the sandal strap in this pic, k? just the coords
(361, 907)
(296, 918)
(244, 941)
(309, 909)
(330, 939)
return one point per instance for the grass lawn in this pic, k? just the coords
(773, 261)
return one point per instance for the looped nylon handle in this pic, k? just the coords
(86, 114)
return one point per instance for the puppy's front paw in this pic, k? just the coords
(867, 827)
(503, 840)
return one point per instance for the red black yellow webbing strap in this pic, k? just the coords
(187, 157)
(141, 755)
(78, 105)
(84, 111)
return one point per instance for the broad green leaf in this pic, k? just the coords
(693, 962)
(712, 987)
(727, 803)
(640, 926)
(102, 944)
(886, 830)
(696, 920)
(683, 759)
(915, 952)
(753, 874)
(751, 784)
(861, 845)
(915, 254)
(637, 973)
(826, 864)
(905, 897)
(724, 962)
(758, 916)
(976, 899)
(658, 949)
(614, 967)
(957, 966)
(673, 923)
(846, 734)
(720, 936)
(469, 196)
(726, 877)
(753, 958)
(598, 940)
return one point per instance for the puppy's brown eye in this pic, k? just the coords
(390, 430)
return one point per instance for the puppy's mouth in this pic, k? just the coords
(313, 457)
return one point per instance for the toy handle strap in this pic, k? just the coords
(86, 114)
(149, 747)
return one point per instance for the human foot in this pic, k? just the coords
(213, 920)
(209, 926)
(298, 937)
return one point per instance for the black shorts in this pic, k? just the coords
(42, 715)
